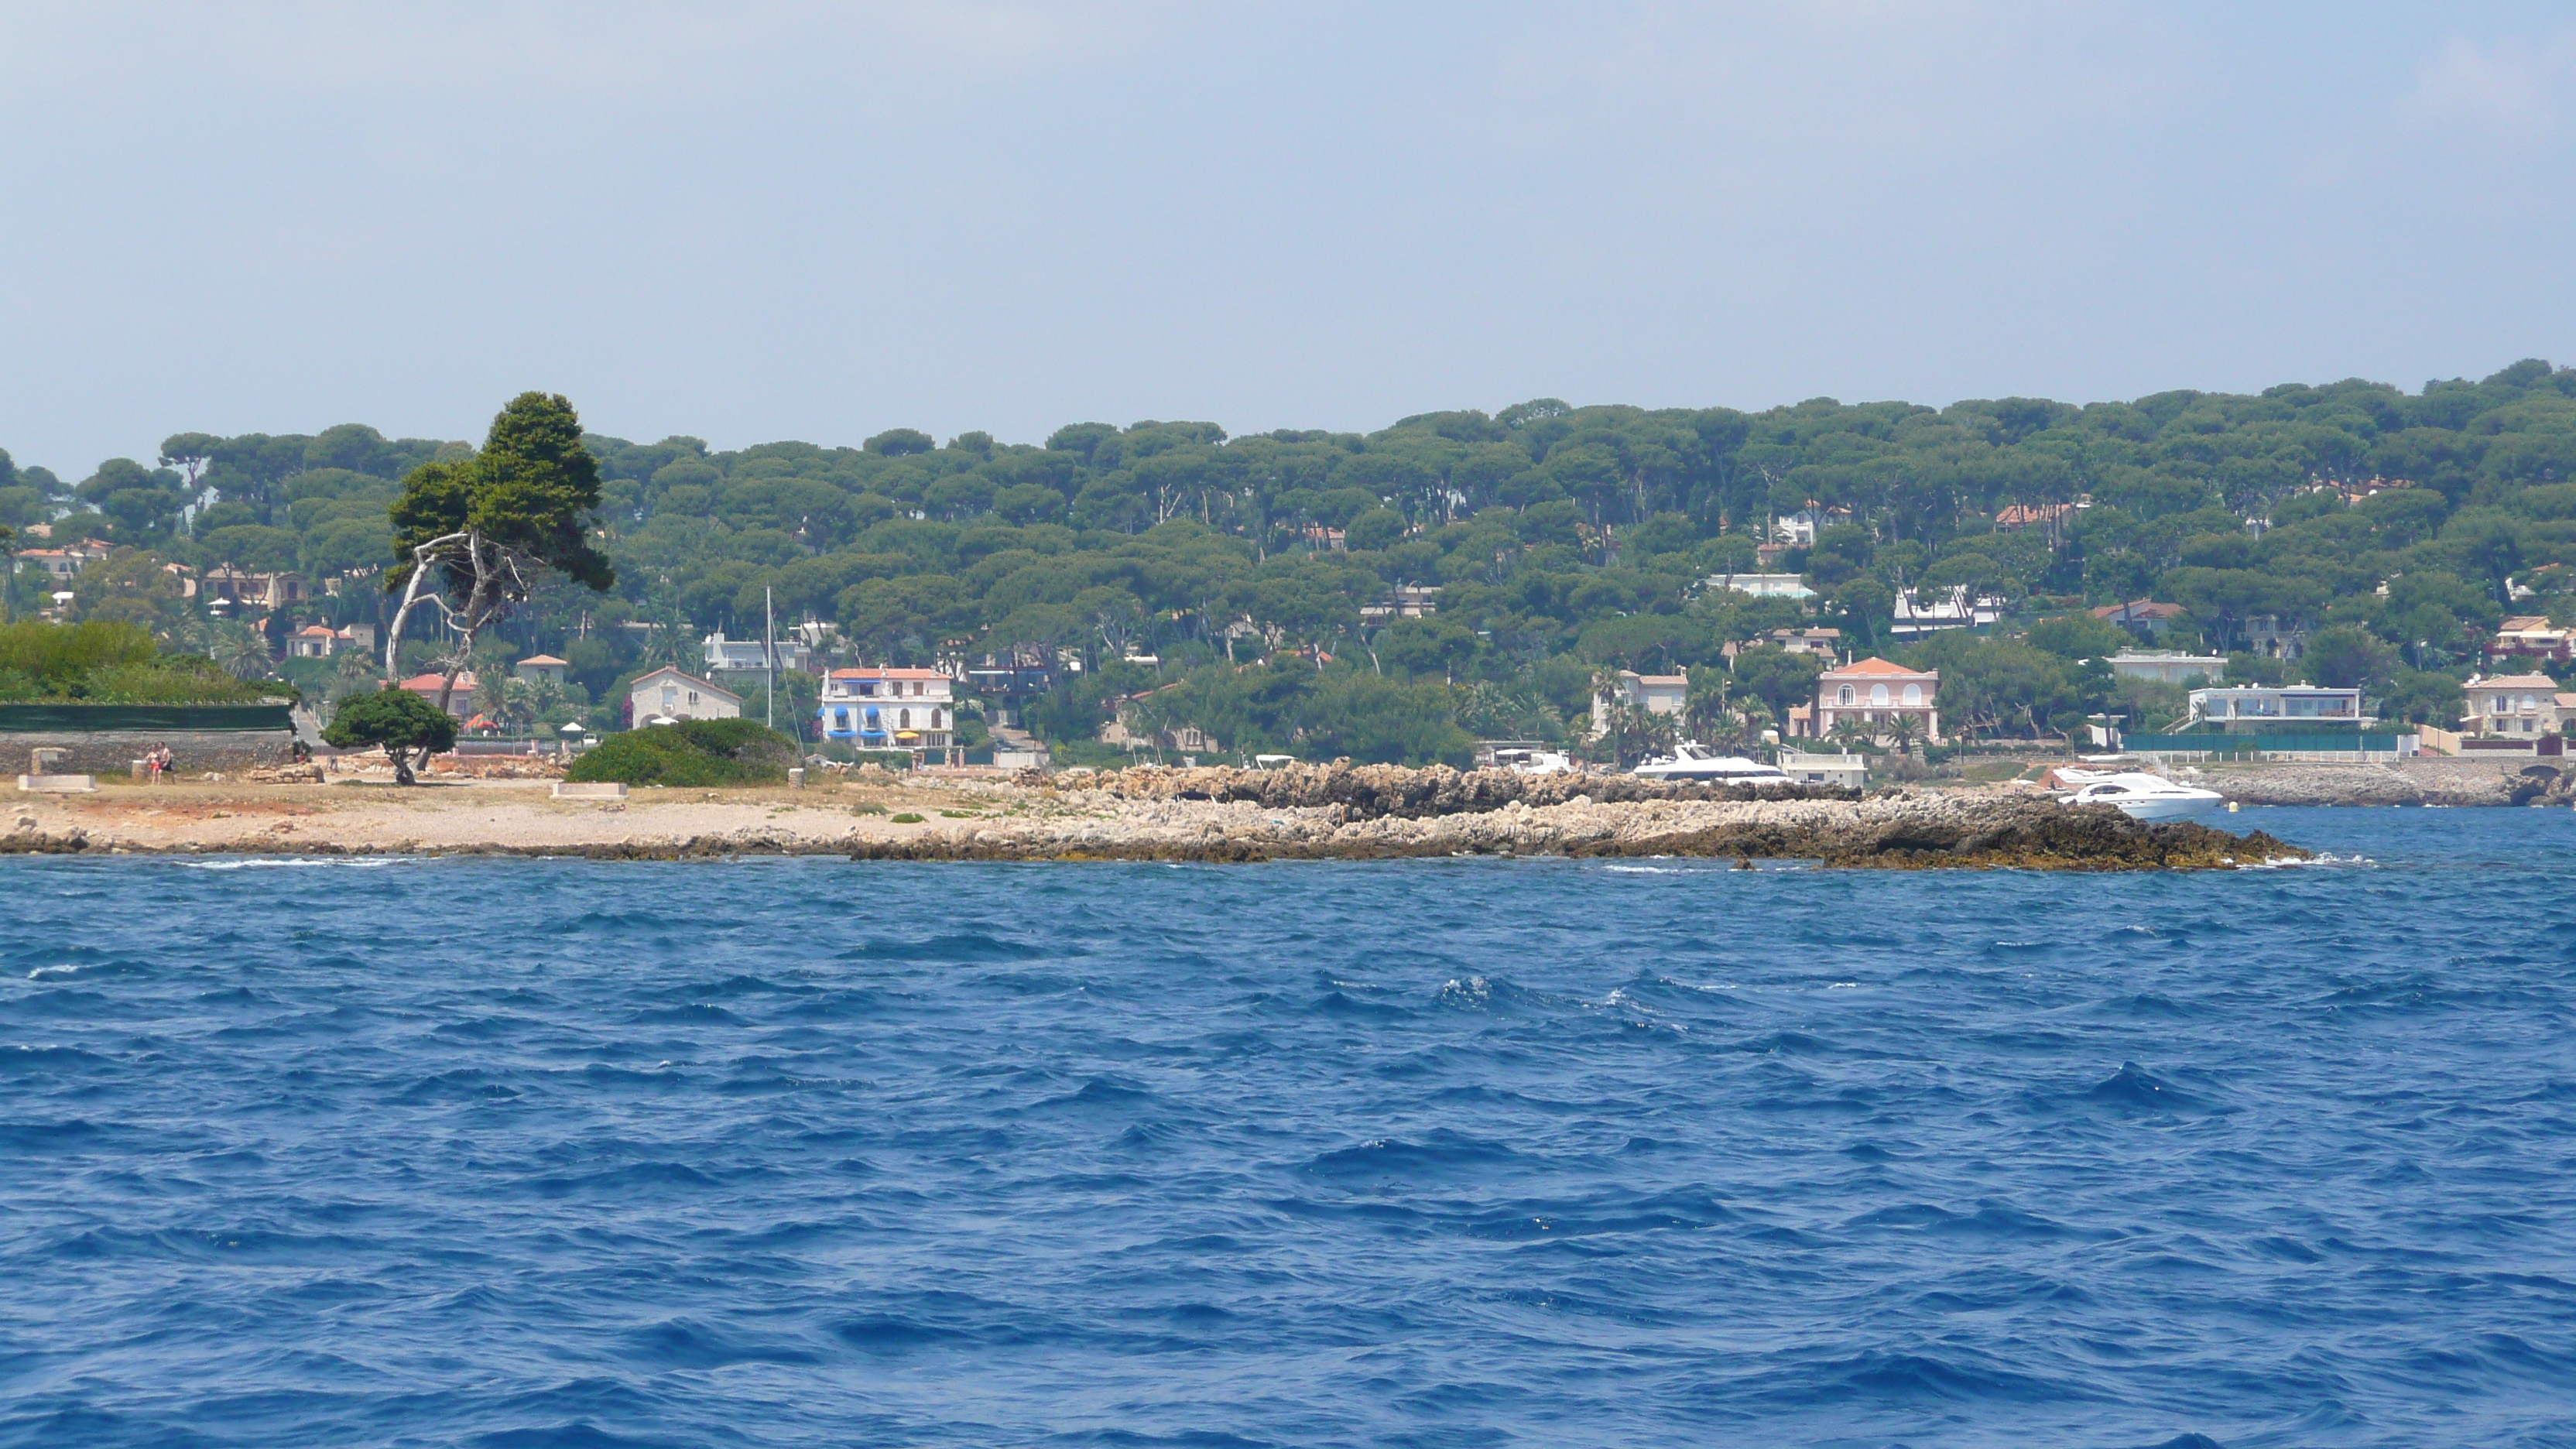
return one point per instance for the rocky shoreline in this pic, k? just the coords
(1380, 813)
(1337, 812)
(2432, 780)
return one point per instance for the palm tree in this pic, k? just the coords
(1903, 730)
(1706, 714)
(1848, 733)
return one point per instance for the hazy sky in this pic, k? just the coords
(817, 221)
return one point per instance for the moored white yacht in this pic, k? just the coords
(2137, 794)
(1694, 762)
(1534, 762)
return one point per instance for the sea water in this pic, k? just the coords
(1432, 1153)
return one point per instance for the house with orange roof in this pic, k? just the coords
(2516, 706)
(460, 703)
(542, 666)
(2531, 636)
(1873, 693)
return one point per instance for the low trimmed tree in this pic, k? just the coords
(396, 720)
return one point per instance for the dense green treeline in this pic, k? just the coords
(1560, 539)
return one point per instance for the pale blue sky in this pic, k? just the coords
(818, 221)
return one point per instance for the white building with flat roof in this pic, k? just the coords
(2242, 707)
(1764, 586)
(2169, 668)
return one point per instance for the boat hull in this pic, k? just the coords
(2164, 809)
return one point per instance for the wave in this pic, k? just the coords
(350, 862)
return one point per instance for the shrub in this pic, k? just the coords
(907, 818)
(396, 719)
(109, 662)
(693, 752)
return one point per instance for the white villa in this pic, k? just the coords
(890, 709)
(666, 693)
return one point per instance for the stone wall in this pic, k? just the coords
(113, 752)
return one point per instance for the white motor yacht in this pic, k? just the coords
(1694, 762)
(2139, 795)
(1535, 762)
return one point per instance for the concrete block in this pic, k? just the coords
(568, 790)
(58, 784)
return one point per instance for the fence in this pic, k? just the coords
(2354, 747)
(144, 718)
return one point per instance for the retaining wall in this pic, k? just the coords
(113, 752)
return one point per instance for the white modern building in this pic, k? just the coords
(2242, 707)
(750, 656)
(1929, 611)
(2169, 668)
(1847, 771)
(890, 709)
(666, 693)
(1764, 586)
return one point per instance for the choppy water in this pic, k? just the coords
(1435, 1153)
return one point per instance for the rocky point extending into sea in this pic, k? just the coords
(1372, 812)
(1300, 812)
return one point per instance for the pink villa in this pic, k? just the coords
(1874, 692)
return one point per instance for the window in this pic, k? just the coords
(1845, 696)
(693, 696)
(1878, 694)
(906, 722)
(2529, 704)
(934, 719)
(1914, 694)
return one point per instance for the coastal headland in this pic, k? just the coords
(1303, 812)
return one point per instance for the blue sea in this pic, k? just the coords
(510, 1153)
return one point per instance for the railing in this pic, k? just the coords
(2271, 745)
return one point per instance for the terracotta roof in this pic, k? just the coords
(1876, 665)
(2142, 609)
(429, 682)
(317, 631)
(542, 659)
(1663, 679)
(2518, 681)
(2527, 624)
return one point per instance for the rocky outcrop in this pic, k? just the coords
(1892, 831)
(1372, 792)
